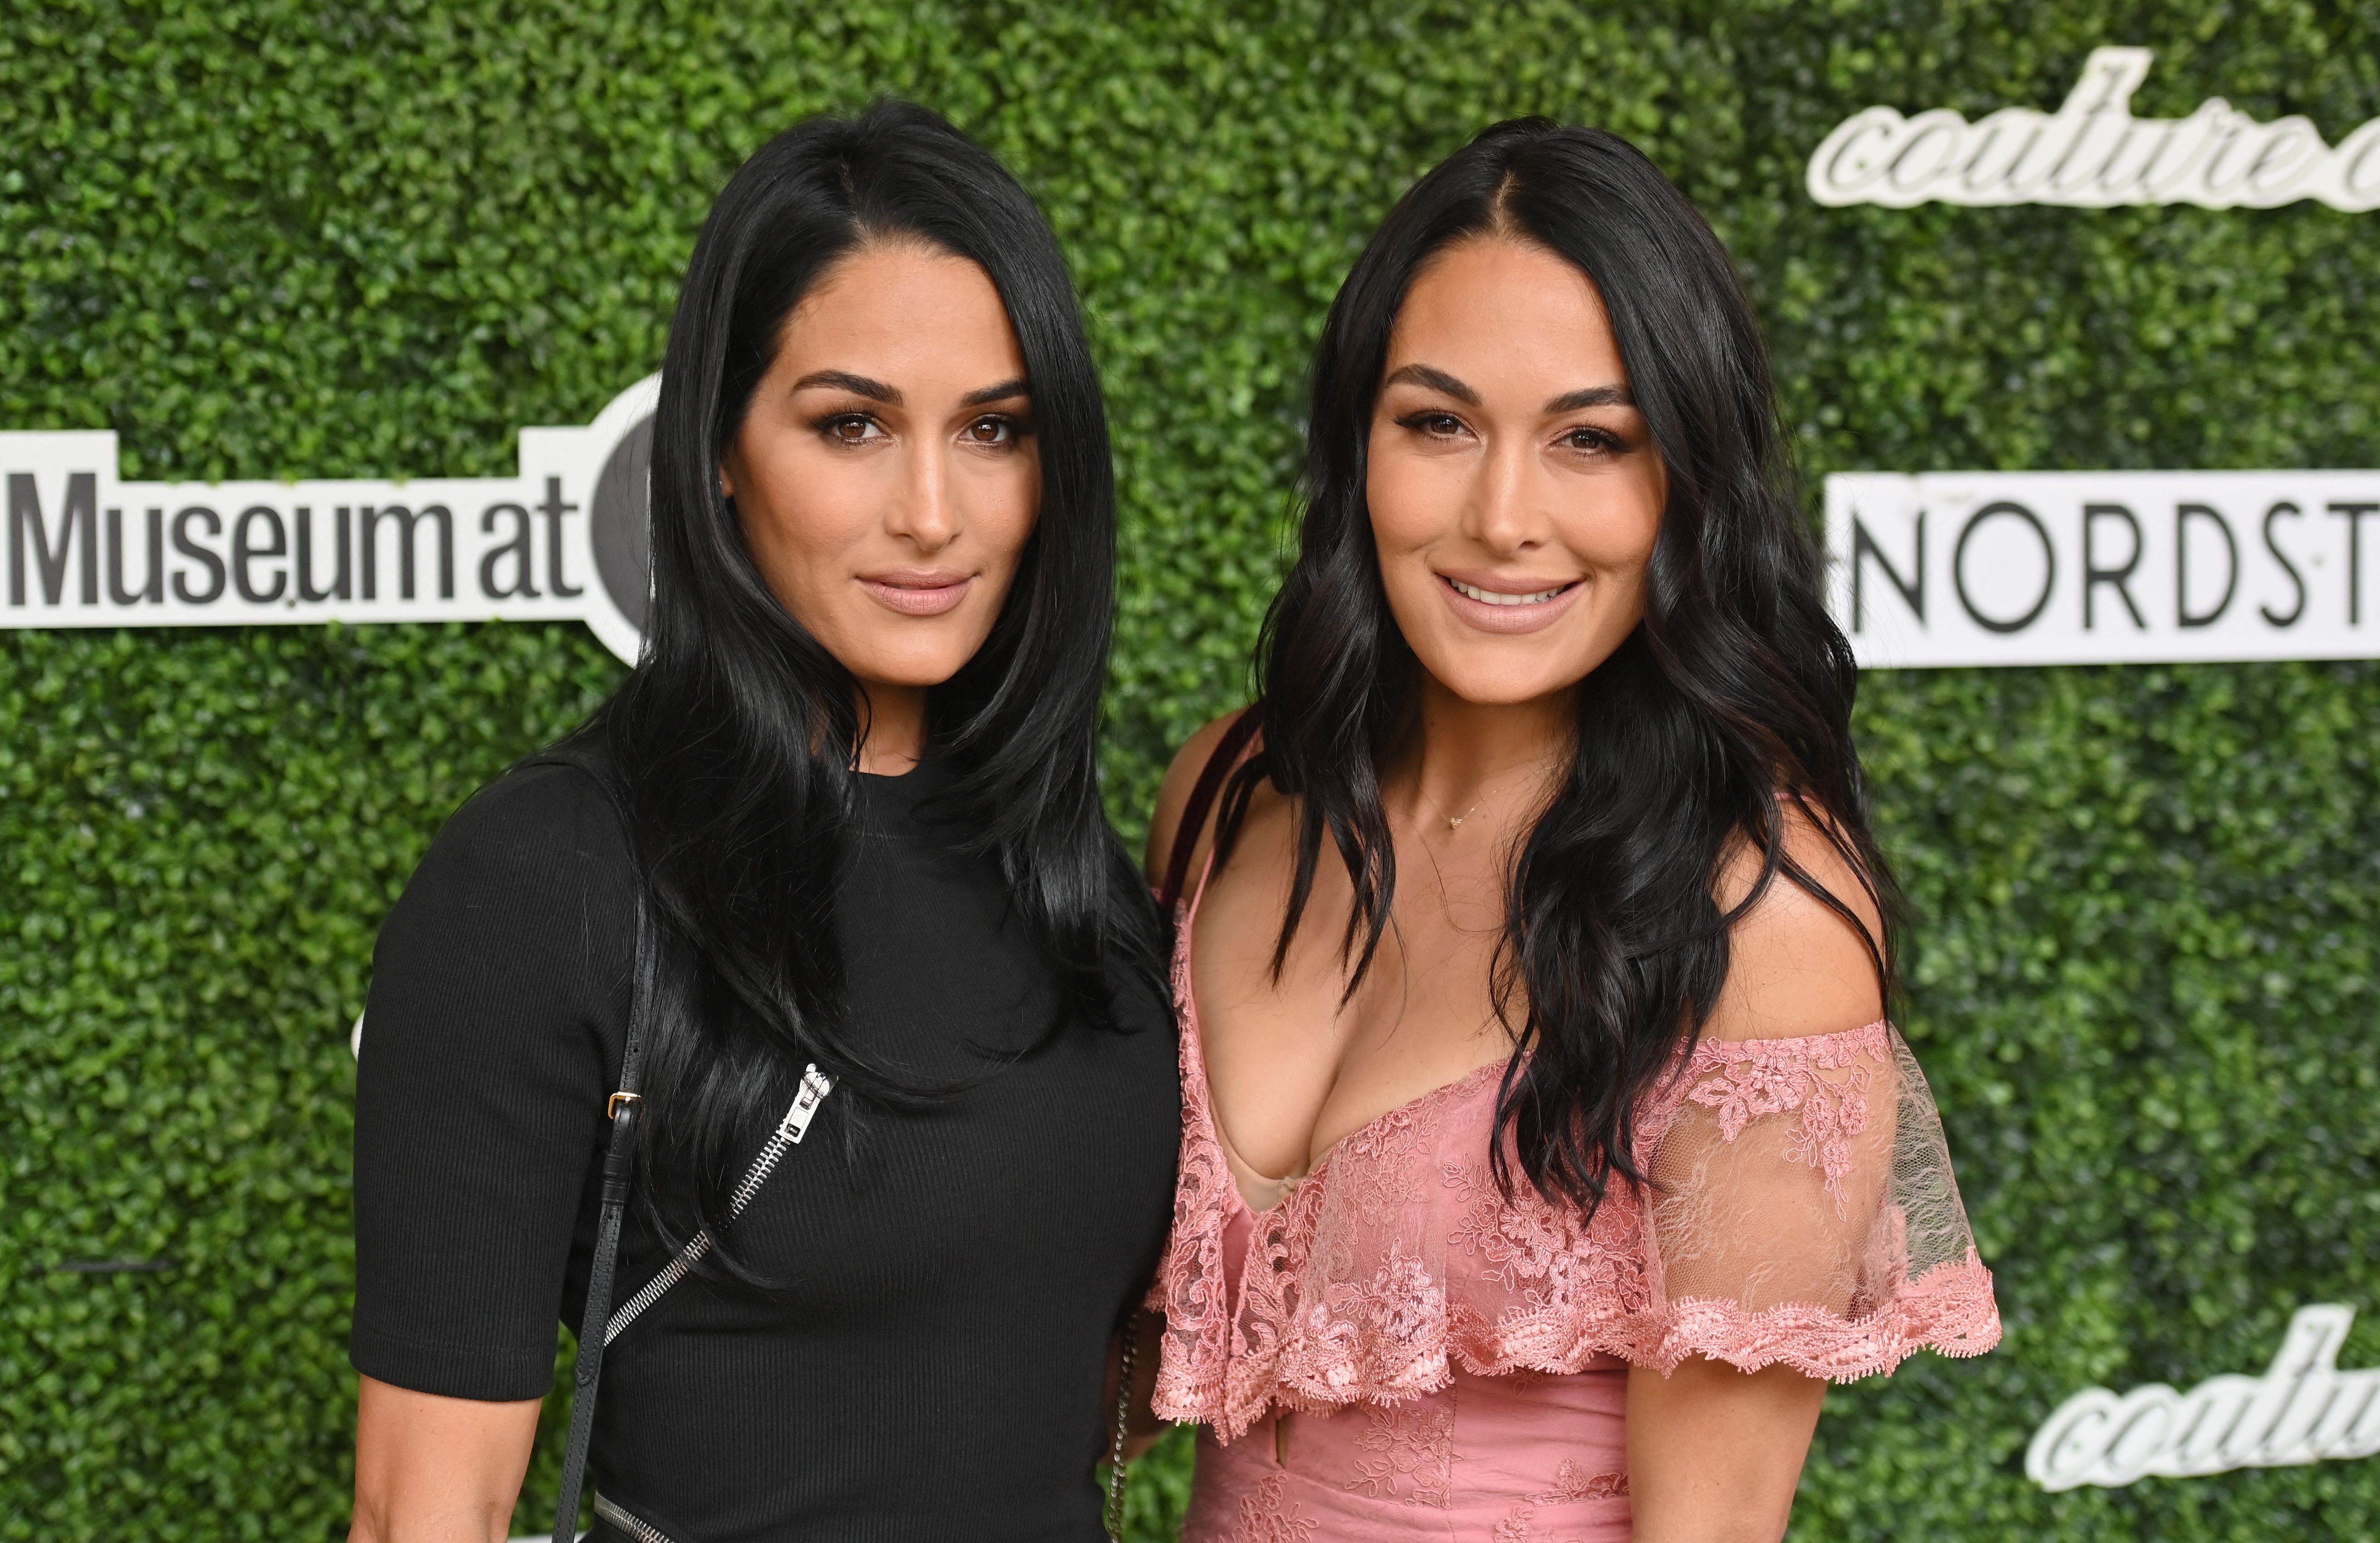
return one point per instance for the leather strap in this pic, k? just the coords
(1203, 794)
(619, 1170)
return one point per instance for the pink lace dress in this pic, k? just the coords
(1395, 1351)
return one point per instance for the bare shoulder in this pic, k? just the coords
(1173, 794)
(1796, 964)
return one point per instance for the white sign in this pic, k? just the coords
(2303, 1410)
(2090, 568)
(2093, 153)
(564, 540)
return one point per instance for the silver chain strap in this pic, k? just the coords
(1122, 1423)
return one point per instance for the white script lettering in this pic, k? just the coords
(2092, 153)
(2303, 1410)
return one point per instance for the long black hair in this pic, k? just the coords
(737, 732)
(1736, 687)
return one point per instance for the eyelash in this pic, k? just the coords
(1430, 424)
(1602, 441)
(831, 428)
(1598, 440)
(1016, 431)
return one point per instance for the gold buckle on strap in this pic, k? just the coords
(611, 1107)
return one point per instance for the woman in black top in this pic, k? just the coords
(856, 770)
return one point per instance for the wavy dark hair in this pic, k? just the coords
(738, 733)
(1737, 687)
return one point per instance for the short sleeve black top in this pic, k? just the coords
(930, 1363)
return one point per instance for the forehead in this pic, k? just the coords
(1503, 307)
(902, 297)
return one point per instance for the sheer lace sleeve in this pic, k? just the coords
(1803, 1211)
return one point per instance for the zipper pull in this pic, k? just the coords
(816, 1085)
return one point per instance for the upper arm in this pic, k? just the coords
(1713, 1454)
(1173, 794)
(1796, 966)
(441, 1470)
(480, 1088)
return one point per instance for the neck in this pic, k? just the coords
(1469, 754)
(896, 720)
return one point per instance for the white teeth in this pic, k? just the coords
(1491, 597)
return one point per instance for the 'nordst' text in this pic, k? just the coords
(564, 540)
(2089, 567)
(2093, 153)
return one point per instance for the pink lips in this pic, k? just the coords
(917, 592)
(1489, 617)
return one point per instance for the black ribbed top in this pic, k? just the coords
(931, 1366)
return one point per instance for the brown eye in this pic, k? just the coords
(851, 428)
(1593, 442)
(989, 431)
(1436, 425)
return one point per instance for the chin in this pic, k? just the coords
(909, 672)
(914, 653)
(914, 666)
(1493, 687)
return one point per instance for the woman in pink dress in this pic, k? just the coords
(1545, 1148)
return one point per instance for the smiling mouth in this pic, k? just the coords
(1495, 597)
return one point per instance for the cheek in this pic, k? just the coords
(1407, 503)
(1411, 505)
(1615, 532)
(800, 524)
(1021, 511)
(1401, 534)
(1652, 499)
(801, 508)
(1005, 507)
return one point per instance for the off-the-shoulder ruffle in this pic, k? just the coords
(1398, 1261)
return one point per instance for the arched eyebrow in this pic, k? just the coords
(1000, 393)
(1431, 378)
(1593, 396)
(877, 391)
(858, 385)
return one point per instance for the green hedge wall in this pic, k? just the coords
(274, 237)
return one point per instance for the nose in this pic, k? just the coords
(925, 509)
(1505, 513)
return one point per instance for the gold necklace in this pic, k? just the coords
(1454, 820)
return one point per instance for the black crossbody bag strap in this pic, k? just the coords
(619, 1168)
(1220, 763)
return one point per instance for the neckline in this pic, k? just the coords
(1194, 1051)
(1196, 1043)
(905, 803)
(920, 770)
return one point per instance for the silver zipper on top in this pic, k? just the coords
(634, 1525)
(816, 1085)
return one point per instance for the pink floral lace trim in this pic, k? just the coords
(1408, 1454)
(1268, 1517)
(1542, 1292)
(1312, 1330)
(1950, 1309)
(1571, 1486)
(1754, 1078)
(1573, 1483)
